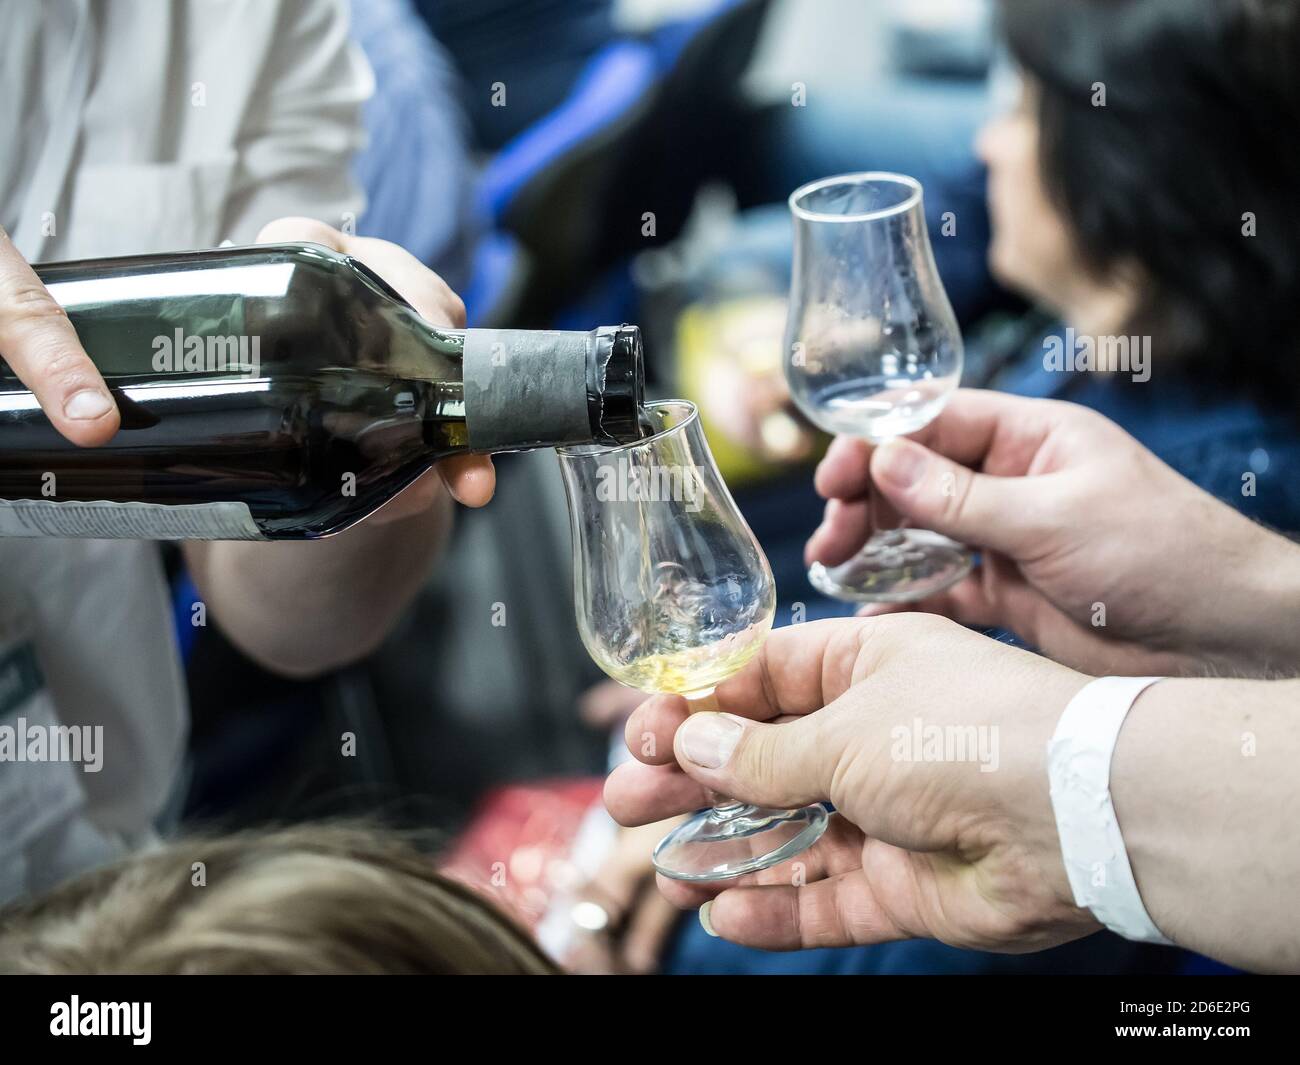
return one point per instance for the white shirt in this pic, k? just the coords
(131, 127)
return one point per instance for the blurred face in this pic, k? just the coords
(1032, 251)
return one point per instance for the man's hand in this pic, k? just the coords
(966, 853)
(469, 478)
(641, 920)
(1093, 549)
(300, 609)
(40, 345)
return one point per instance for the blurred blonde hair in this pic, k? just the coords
(340, 898)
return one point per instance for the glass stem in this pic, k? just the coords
(885, 522)
(723, 808)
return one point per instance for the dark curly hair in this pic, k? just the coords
(1199, 134)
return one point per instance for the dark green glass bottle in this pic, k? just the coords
(285, 392)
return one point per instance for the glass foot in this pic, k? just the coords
(733, 839)
(895, 566)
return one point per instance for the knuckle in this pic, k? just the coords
(1076, 419)
(760, 757)
(830, 737)
(65, 369)
(957, 501)
(893, 634)
(297, 228)
(456, 310)
(855, 648)
(911, 625)
(26, 300)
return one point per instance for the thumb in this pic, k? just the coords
(1004, 514)
(471, 479)
(782, 765)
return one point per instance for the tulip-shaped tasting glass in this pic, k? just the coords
(872, 350)
(673, 594)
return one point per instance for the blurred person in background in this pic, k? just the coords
(1139, 189)
(242, 113)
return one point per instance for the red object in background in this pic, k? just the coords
(517, 847)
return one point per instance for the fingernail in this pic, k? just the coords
(901, 463)
(87, 405)
(705, 923)
(708, 739)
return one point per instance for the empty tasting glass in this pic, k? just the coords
(674, 595)
(872, 350)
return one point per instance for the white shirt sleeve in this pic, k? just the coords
(303, 126)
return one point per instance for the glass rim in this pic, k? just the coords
(861, 177)
(582, 451)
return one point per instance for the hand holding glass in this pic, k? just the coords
(674, 595)
(872, 350)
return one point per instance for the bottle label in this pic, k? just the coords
(102, 520)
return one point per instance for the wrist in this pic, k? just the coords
(1093, 848)
(1140, 771)
(1027, 802)
(1262, 631)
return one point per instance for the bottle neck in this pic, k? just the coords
(537, 388)
(528, 388)
(616, 387)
